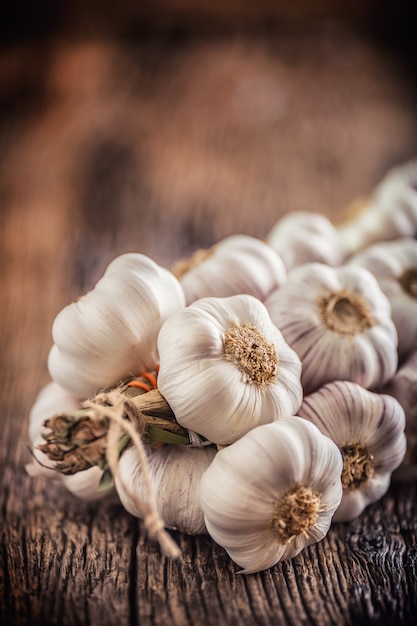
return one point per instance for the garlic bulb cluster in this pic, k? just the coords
(110, 333)
(238, 264)
(394, 265)
(272, 492)
(338, 321)
(301, 237)
(368, 428)
(225, 368)
(175, 477)
(389, 213)
(50, 399)
(275, 404)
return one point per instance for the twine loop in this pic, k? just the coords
(125, 417)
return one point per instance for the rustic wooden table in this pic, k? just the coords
(162, 143)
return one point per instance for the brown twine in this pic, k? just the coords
(114, 406)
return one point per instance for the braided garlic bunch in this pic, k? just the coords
(280, 395)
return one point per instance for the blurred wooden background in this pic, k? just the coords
(162, 127)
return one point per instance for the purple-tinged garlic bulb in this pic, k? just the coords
(368, 428)
(338, 321)
(394, 265)
(403, 387)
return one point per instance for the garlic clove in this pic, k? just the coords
(389, 213)
(51, 399)
(175, 472)
(225, 368)
(301, 237)
(368, 428)
(239, 264)
(272, 492)
(110, 333)
(394, 265)
(338, 321)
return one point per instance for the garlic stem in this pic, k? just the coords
(78, 439)
(296, 513)
(248, 348)
(346, 313)
(181, 267)
(358, 465)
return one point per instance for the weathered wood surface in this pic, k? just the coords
(162, 145)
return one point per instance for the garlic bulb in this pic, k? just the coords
(175, 472)
(51, 399)
(403, 387)
(235, 265)
(110, 333)
(389, 213)
(369, 430)
(302, 237)
(339, 322)
(225, 368)
(273, 492)
(394, 265)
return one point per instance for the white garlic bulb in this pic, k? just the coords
(175, 474)
(368, 428)
(389, 213)
(51, 400)
(273, 492)
(394, 265)
(237, 264)
(339, 322)
(403, 387)
(301, 237)
(110, 333)
(225, 368)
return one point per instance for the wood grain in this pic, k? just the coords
(163, 145)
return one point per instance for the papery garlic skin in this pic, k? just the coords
(301, 237)
(389, 213)
(237, 264)
(110, 333)
(207, 390)
(394, 265)
(53, 399)
(247, 481)
(338, 321)
(175, 473)
(367, 426)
